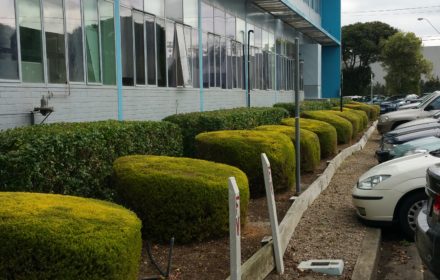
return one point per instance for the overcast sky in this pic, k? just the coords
(402, 14)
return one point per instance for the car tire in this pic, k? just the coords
(407, 213)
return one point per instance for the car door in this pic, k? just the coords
(431, 108)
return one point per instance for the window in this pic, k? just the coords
(31, 41)
(219, 22)
(92, 41)
(74, 41)
(207, 18)
(150, 38)
(190, 14)
(234, 64)
(8, 42)
(223, 63)
(127, 47)
(229, 63)
(195, 58)
(161, 53)
(139, 45)
(217, 50)
(155, 7)
(240, 30)
(240, 75)
(188, 56)
(174, 10)
(107, 21)
(171, 54)
(230, 26)
(178, 67)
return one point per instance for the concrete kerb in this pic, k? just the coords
(262, 262)
(368, 260)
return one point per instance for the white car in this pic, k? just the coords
(394, 191)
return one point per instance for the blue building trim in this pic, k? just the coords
(200, 42)
(118, 59)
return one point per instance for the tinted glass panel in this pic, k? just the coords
(155, 7)
(230, 26)
(8, 42)
(108, 42)
(217, 61)
(205, 61)
(211, 54)
(161, 53)
(188, 56)
(127, 47)
(139, 48)
(219, 22)
(240, 32)
(174, 10)
(195, 58)
(75, 41)
(150, 38)
(190, 16)
(207, 18)
(92, 41)
(31, 41)
(171, 54)
(223, 62)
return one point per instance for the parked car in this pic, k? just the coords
(390, 104)
(391, 120)
(414, 103)
(433, 119)
(425, 144)
(394, 191)
(388, 143)
(428, 223)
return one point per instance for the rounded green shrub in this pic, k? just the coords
(361, 114)
(370, 110)
(309, 144)
(243, 148)
(353, 118)
(343, 127)
(326, 133)
(47, 236)
(178, 197)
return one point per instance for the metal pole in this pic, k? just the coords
(200, 34)
(234, 230)
(371, 87)
(118, 60)
(249, 64)
(297, 126)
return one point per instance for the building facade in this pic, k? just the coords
(147, 59)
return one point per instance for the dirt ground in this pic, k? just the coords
(315, 237)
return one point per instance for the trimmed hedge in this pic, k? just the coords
(309, 144)
(371, 110)
(180, 197)
(343, 127)
(46, 236)
(326, 133)
(312, 105)
(360, 113)
(243, 148)
(353, 118)
(228, 119)
(77, 158)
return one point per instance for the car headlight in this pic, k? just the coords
(371, 182)
(415, 151)
(388, 146)
(384, 119)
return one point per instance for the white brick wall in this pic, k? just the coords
(88, 103)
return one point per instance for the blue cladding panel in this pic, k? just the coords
(331, 71)
(331, 17)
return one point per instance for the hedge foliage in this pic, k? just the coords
(371, 110)
(312, 105)
(180, 197)
(77, 158)
(326, 133)
(360, 113)
(353, 118)
(343, 127)
(46, 236)
(309, 144)
(228, 119)
(243, 148)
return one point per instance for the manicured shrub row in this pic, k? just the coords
(326, 133)
(77, 158)
(180, 197)
(45, 236)
(230, 119)
(343, 127)
(243, 148)
(312, 105)
(360, 113)
(369, 109)
(309, 144)
(353, 118)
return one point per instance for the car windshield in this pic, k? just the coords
(425, 100)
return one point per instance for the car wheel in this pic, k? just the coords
(408, 211)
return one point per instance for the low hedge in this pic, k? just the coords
(326, 133)
(77, 158)
(227, 119)
(360, 113)
(371, 110)
(312, 105)
(46, 236)
(309, 144)
(353, 118)
(243, 148)
(343, 127)
(180, 197)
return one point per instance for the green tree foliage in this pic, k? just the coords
(430, 85)
(361, 46)
(404, 62)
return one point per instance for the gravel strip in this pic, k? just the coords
(329, 229)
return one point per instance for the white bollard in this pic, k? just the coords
(272, 213)
(234, 229)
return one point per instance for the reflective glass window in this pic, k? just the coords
(155, 7)
(161, 53)
(8, 42)
(240, 30)
(136, 4)
(171, 54)
(205, 61)
(92, 41)
(229, 63)
(75, 40)
(190, 15)
(240, 68)
(230, 26)
(127, 47)
(107, 21)
(219, 22)
(195, 58)
(211, 55)
(187, 56)
(31, 41)
(181, 53)
(258, 37)
(234, 64)
(217, 49)
(223, 62)
(150, 38)
(207, 17)
(139, 47)
(174, 10)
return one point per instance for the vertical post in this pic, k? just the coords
(272, 213)
(297, 127)
(200, 34)
(118, 59)
(371, 87)
(249, 69)
(234, 229)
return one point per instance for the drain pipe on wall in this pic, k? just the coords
(249, 69)
(297, 126)
(118, 59)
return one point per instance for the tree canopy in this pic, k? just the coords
(404, 63)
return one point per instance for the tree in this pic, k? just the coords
(404, 62)
(361, 43)
(430, 85)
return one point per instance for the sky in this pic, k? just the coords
(401, 14)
